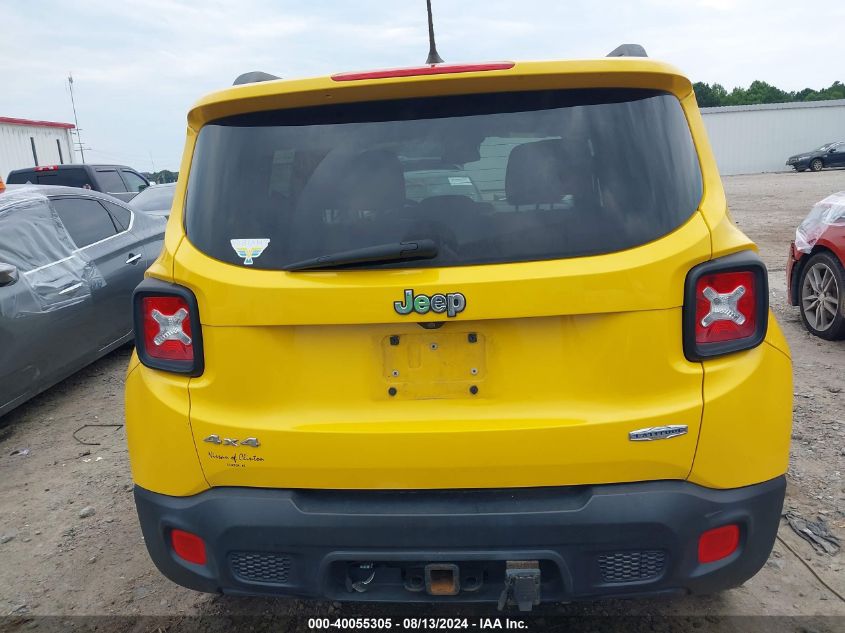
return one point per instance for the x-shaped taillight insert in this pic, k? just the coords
(723, 306)
(170, 327)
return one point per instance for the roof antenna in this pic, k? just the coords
(433, 57)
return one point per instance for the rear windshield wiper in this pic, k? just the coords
(382, 253)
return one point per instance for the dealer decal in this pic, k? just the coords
(451, 303)
(249, 249)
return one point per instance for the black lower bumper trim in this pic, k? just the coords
(589, 541)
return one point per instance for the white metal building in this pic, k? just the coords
(25, 143)
(758, 138)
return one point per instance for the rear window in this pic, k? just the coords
(491, 178)
(122, 217)
(62, 177)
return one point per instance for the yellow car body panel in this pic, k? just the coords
(540, 416)
(572, 354)
(747, 418)
(648, 277)
(158, 432)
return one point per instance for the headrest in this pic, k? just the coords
(374, 180)
(371, 180)
(536, 173)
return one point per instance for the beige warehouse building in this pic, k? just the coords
(759, 138)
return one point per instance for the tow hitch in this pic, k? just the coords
(442, 579)
(522, 584)
(476, 579)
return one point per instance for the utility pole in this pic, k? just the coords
(75, 119)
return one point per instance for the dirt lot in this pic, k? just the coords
(56, 563)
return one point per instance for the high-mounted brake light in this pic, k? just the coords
(429, 69)
(726, 306)
(167, 329)
(47, 168)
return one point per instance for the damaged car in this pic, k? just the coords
(815, 274)
(69, 261)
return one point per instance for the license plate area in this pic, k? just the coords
(434, 364)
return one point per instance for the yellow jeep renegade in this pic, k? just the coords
(479, 332)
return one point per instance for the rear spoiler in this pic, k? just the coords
(628, 50)
(255, 76)
(620, 72)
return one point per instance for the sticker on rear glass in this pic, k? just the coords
(249, 249)
(459, 180)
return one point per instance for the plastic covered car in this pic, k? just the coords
(815, 269)
(69, 261)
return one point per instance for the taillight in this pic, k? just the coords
(718, 543)
(167, 329)
(188, 546)
(726, 306)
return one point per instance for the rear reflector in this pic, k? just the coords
(431, 69)
(718, 543)
(187, 546)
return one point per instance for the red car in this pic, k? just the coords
(815, 270)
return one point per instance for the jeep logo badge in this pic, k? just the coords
(451, 303)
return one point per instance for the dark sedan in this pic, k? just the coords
(155, 199)
(69, 261)
(828, 155)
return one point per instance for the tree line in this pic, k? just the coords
(162, 177)
(709, 95)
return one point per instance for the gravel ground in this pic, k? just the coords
(70, 543)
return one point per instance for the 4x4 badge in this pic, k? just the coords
(451, 303)
(227, 441)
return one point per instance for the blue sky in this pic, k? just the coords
(139, 66)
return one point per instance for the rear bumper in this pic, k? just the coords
(591, 541)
